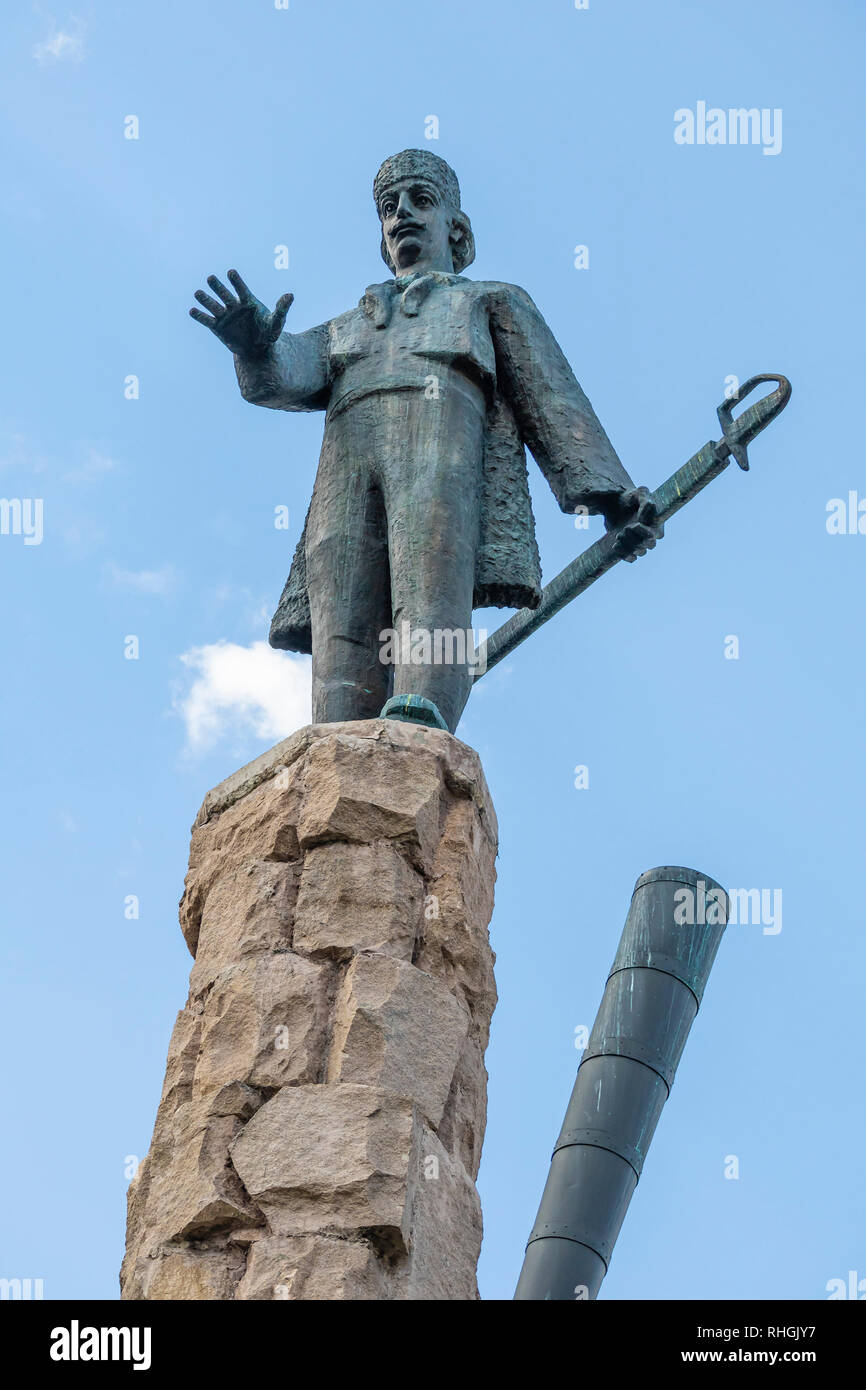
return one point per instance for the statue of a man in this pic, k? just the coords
(421, 512)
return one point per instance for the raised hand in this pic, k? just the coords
(242, 323)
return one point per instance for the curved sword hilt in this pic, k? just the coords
(738, 434)
(670, 497)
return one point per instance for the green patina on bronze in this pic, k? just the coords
(432, 386)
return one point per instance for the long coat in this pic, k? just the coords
(394, 339)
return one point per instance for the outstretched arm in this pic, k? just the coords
(560, 427)
(286, 371)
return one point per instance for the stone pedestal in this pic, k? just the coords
(324, 1105)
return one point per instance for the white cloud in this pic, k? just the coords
(94, 466)
(62, 45)
(161, 581)
(23, 456)
(83, 535)
(239, 692)
(257, 610)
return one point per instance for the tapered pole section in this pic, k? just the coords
(654, 989)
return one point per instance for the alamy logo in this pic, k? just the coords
(760, 907)
(22, 516)
(21, 1288)
(854, 1287)
(443, 646)
(739, 125)
(846, 518)
(76, 1343)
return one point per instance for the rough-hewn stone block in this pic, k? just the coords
(334, 1158)
(357, 898)
(264, 1023)
(320, 1268)
(364, 789)
(397, 1028)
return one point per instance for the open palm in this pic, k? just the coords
(241, 321)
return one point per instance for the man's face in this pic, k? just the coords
(417, 226)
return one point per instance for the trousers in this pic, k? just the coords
(392, 537)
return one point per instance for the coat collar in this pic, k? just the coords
(411, 291)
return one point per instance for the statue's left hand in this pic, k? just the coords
(633, 514)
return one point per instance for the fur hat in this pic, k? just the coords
(424, 164)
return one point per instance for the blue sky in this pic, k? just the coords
(261, 128)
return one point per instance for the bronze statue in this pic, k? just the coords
(432, 386)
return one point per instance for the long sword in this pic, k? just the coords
(679, 489)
